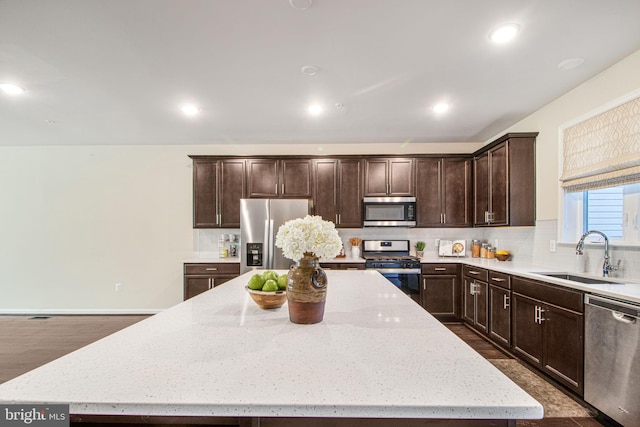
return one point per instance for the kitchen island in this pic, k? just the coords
(218, 358)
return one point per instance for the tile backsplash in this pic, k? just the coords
(526, 244)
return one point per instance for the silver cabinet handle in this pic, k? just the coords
(276, 188)
(211, 269)
(282, 189)
(210, 282)
(472, 288)
(440, 269)
(424, 284)
(540, 317)
(473, 272)
(497, 279)
(339, 218)
(337, 222)
(505, 301)
(444, 218)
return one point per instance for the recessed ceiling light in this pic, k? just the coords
(315, 109)
(190, 110)
(310, 70)
(440, 108)
(300, 4)
(504, 33)
(570, 64)
(11, 89)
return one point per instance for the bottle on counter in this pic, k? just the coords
(475, 248)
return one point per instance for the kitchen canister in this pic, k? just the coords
(475, 248)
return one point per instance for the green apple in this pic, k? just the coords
(282, 281)
(256, 282)
(270, 274)
(270, 286)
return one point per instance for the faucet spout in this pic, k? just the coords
(606, 266)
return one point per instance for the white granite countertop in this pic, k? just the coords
(622, 289)
(376, 354)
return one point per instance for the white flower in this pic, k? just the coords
(309, 234)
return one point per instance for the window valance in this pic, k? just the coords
(604, 150)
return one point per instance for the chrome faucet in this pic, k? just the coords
(607, 268)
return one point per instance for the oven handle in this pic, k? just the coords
(396, 270)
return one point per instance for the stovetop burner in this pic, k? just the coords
(377, 257)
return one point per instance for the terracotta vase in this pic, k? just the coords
(306, 290)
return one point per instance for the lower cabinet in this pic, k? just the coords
(475, 298)
(440, 291)
(500, 308)
(200, 277)
(342, 265)
(548, 330)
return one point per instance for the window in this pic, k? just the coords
(612, 210)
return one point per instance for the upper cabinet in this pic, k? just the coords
(337, 193)
(218, 186)
(443, 192)
(505, 182)
(388, 177)
(279, 178)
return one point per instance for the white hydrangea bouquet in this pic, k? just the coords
(310, 234)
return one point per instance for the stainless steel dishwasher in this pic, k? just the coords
(612, 358)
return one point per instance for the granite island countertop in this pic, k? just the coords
(376, 354)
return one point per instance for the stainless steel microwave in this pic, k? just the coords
(389, 211)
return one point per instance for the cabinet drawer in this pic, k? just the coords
(549, 293)
(476, 273)
(444, 268)
(212, 268)
(500, 279)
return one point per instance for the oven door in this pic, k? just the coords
(407, 280)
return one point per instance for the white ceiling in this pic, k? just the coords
(116, 71)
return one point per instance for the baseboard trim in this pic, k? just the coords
(78, 311)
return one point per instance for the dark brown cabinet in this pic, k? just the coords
(218, 186)
(548, 330)
(500, 308)
(504, 181)
(337, 193)
(440, 291)
(443, 192)
(279, 178)
(388, 177)
(200, 277)
(475, 299)
(342, 265)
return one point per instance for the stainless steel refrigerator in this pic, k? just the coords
(260, 220)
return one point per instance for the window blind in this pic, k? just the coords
(604, 150)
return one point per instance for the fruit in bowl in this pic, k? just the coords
(268, 290)
(502, 255)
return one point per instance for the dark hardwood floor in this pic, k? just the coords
(31, 341)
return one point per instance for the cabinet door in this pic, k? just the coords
(526, 333)
(468, 301)
(325, 192)
(376, 177)
(482, 306)
(195, 285)
(262, 177)
(563, 346)
(441, 296)
(500, 315)
(231, 190)
(428, 193)
(295, 179)
(350, 193)
(499, 181)
(205, 173)
(401, 177)
(456, 192)
(220, 279)
(481, 189)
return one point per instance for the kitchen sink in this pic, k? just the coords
(579, 279)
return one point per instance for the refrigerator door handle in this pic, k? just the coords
(270, 245)
(266, 253)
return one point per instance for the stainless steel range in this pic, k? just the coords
(391, 258)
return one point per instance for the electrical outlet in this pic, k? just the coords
(118, 287)
(552, 246)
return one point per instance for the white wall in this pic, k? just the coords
(76, 220)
